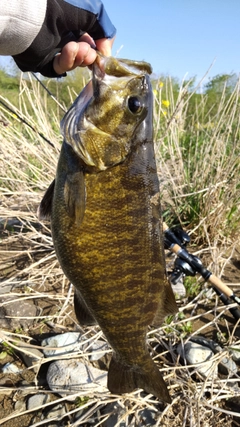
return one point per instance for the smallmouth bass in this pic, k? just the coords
(106, 219)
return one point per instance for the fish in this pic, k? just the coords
(105, 213)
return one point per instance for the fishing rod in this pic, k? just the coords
(189, 265)
(49, 92)
(24, 121)
(17, 116)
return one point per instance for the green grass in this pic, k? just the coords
(198, 162)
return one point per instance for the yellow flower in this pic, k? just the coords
(166, 103)
(155, 92)
(160, 84)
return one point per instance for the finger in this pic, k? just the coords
(104, 46)
(85, 56)
(88, 39)
(73, 54)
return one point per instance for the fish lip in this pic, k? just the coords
(116, 67)
(98, 67)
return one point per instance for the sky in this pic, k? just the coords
(181, 38)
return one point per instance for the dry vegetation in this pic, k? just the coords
(199, 174)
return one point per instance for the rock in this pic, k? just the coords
(14, 314)
(56, 413)
(98, 350)
(147, 417)
(37, 400)
(70, 376)
(119, 416)
(31, 356)
(64, 343)
(235, 352)
(11, 224)
(178, 287)
(20, 406)
(197, 354)
(6, 288)
(226, 365)
(116, 412)
(10, 368)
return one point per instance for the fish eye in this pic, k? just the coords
(134, 104)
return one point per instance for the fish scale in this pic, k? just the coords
(106, 227)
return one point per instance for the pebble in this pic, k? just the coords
(235, 352)
(8, 287)
(10, 368)
(226, 365)
(117, 412)
(196, 353)
(12, 224)
(31, 356)
(20, 406)
(70, 376)
(57, 412)
(98, 350)
(13, 314)
(37, 400)
(147, 417)
(64, 343)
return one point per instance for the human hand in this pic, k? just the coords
(81, 53)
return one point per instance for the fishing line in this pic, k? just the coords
(17, 116)
(49, 92)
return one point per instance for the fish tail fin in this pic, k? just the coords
(125, 379)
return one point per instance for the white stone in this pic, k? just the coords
(61, 344)
(98, 349)
(37, 400)
(10, 368)
(197, 354)
(71, 376)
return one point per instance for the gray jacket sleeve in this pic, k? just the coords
(20, 23)
(65, 20)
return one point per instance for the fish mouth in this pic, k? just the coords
(115, 67)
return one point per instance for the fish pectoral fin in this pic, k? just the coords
(166, 306)
(75, 196)
(125, 379)
(45, 208)
(83, 314)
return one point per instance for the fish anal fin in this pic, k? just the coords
(75, 196)
(167, 305)
(125, 379)
(83, 314)
(45, 208)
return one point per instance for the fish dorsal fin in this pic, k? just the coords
(166, 306)
(75, 196)
(45, 208)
